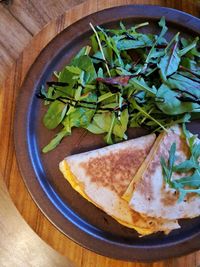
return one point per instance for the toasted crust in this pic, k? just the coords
(101, 176)
(152, 196)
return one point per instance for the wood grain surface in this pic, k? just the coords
(20, 21)
(19, 245)
(26, 22)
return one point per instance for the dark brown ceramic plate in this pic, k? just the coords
(66, 209)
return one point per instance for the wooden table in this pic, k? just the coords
(19, 22)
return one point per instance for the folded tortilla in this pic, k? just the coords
(150, 195)
(103, 175)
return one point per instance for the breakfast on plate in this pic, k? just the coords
(126, 79)
(169, 198)
(126, 181)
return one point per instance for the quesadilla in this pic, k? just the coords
(103, 175)
(150, 195)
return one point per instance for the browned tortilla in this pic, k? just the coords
(102, 176)
(152, 196)
(115, 169)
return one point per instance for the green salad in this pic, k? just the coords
(125, 79)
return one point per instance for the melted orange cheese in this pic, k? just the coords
(65, 169)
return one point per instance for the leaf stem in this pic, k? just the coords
(141, 25)
(150, 117)
(175, 38)
(101, 49)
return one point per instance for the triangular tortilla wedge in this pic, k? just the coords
(102, 176)
(151, 196)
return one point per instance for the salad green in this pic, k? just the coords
(125, 78)
(191, 182)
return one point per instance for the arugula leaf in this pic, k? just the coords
(184, 84)
(191, 182)
(168, 168)
(100, 46)
(191, 65)
(74, 69)
(111, 44)
(56, 140)
(165, 170)
(131, 44)
(152, 52)
(189, 47)
(194, 51)
(172, 157)
(169, 63)
(147, 115)
(168, 102)
(185, 166)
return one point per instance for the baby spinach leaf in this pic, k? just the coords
(120, 126)
(67, 76)
(85, 63)
(94, 128)
(55, 114)
(103, 121)
(81, 117)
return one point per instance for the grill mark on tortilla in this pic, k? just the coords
(170, 200)
(115, 170)
(190, 196)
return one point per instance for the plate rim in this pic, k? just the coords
(41, 196)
